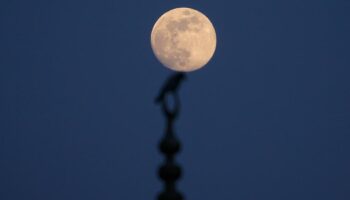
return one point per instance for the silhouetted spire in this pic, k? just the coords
(170, 171)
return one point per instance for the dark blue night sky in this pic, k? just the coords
(267, 119)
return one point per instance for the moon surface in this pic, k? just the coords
(183, 39)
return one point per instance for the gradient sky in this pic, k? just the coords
(267, 119)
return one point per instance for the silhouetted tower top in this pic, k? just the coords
(170, 171)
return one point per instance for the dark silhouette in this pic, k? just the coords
(171, 86)
(170, 171)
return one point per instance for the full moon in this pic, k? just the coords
(183, 39)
